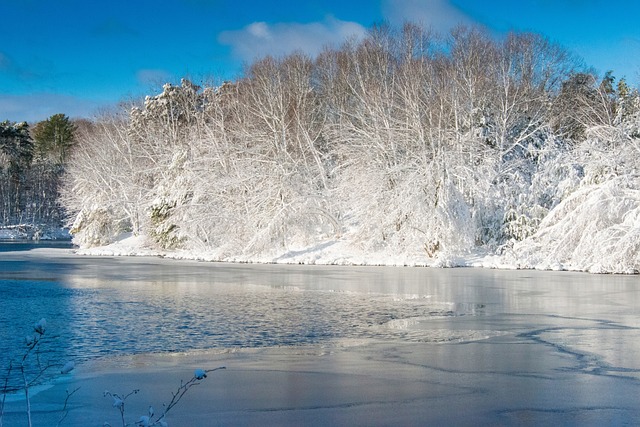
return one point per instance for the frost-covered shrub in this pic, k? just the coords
(595, 202)
(522, 221)
(97, 227)
(163, 230)
(597, 228)
(542, 183)
(414, 211)
(173, 190)
(151, 417)
(106, 181)
(31, 369)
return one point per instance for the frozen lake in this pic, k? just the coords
(318, 345)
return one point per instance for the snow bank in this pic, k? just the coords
(329, 252)
(126, 244)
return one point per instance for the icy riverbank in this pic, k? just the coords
(523, 255)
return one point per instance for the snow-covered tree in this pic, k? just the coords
(403, 142)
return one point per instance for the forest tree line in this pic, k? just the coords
(405, 141)
(32, 163)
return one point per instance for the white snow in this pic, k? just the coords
(200, 374)
(40, 326)
(597, 230)
(329, 252)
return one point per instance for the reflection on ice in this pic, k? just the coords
(106, 306)
(121, 306)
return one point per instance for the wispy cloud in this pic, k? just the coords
(33, 108)
(153, 77)
(440, 15)
(259, 38)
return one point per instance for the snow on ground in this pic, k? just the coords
(329, 252)
(528, 254)
(33, 232)
(126, 244)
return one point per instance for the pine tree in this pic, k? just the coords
(54, 137)
(16, 146)
(16, 153)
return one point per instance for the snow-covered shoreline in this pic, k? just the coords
(339, 252)
(33, 232)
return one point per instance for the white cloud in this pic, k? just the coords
(33, 108)
(440, 15)
(153, 77)
(260, 39)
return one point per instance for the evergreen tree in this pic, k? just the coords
(16, 146)
(16, 153)
(54, 137)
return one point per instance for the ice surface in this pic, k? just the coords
(493, 347)
(489, 382)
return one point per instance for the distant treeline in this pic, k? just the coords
(32, 160)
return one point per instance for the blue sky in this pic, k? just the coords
(77, 56)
